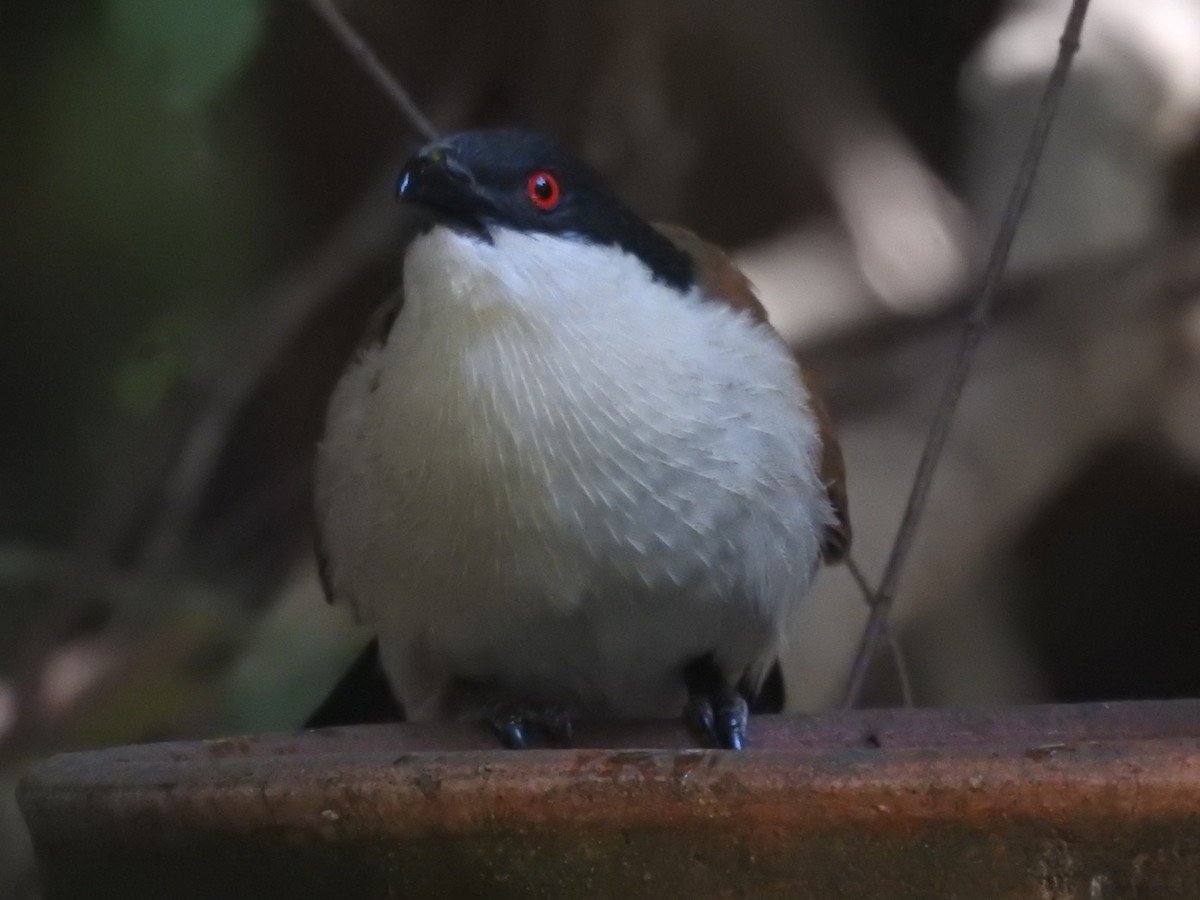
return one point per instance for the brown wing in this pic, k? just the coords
(724, 281)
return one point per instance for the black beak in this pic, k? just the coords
(443, 188)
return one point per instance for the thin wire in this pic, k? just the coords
(881, 605)
(860, 579)
(371, 64)
(868, 593)
(902, 676)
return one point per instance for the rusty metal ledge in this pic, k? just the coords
(1097, 802)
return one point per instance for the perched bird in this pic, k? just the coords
(576, 473)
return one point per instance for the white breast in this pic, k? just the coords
(559, 473)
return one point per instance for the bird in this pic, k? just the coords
(573, 472)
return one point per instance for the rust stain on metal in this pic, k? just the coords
(1098, 801)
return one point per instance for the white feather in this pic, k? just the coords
(562, 476)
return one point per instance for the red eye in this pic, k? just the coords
(543, 190)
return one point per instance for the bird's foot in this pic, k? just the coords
(715, 710)
(517, 723)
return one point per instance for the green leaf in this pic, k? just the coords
(198, 46)
(158, 358)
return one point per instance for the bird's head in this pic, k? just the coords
(476, 182)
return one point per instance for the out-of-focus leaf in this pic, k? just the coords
(294, 658)
(139, 188)
(200, 46)
(157, 359)
(167, 680)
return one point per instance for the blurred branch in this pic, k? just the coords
(876, 627)
(371, 64)
(911, 243)
(31, 566)
(254, 347)
(362, 235)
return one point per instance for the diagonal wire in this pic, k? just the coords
(881, 605)
(897, 654)
(371, 64)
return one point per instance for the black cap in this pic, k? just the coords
(479, 180)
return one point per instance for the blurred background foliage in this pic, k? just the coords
(198, 221)
(137, 217)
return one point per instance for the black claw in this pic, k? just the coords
(515, 724)
(714, 710)
(518, 724)
(560, 726)
(511, 732)
(732, 716)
